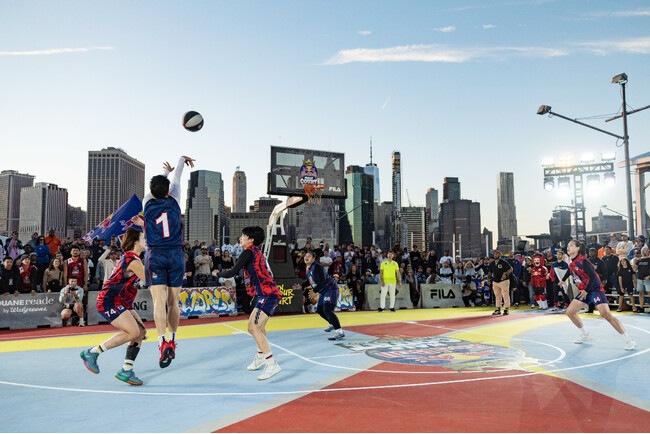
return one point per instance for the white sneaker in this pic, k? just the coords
(68, 322)
(269, 371)
(583, 338)
(630, 344)
(258, 362)
(82, 323)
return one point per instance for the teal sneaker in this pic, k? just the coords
(90, 360)
(128, 377)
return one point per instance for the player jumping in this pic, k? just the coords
(591, 291)
(114, 303)
(165, 261)
(259, 281)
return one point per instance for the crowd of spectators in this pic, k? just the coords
(46, 263)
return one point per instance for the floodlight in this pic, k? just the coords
(608, 156)
(609, 179)
(548, 162)
(620, 79)
(587, 158)
(544, 109)
(593, 179)
(566, 160)
(563, 182)
(548, 184)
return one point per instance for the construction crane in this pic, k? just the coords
(408, 196)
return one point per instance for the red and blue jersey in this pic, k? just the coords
(257, 273)
(119, 289)
(162, 223)
(76, 269)
(584, 275)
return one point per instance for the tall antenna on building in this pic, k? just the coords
(237, 169)
(371, 150)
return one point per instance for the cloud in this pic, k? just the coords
(445, 29)
(364, 32)
(437, 53)
(52, 51)
(635, 13)
(489, 26)
(635, 45)
(448, 54)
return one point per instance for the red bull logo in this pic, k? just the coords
(308, 173)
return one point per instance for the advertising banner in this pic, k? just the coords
(402, 298)
(27, 311)
(441, 295)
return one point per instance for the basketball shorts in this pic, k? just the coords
(595, 297)
(268, 303)
(110, 311)
(165, 266)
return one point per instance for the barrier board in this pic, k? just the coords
(402, 298)
(441, 295)
(27, 311)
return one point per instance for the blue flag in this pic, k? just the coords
(118, 222)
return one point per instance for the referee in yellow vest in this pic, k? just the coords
(389, 277)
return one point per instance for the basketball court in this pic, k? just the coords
(447, 370)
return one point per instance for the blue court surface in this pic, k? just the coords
(408, 355)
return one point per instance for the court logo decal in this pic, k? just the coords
(449, 353)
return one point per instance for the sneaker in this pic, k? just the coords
(269, 371)
(516, 305)
(128, 377)
(90, 361)
(553, 309)
(172, 347)
(583, 338)
(532, 305)
(337, 337)
(505, 311)
(497, 312)
(392, 309)
(82, 323)
(630, 344)
(257, 363)
(329, 328)
(165, 354)
(68, 322)
(620, 309)
(380, 310)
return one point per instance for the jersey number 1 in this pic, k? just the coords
(165, 224)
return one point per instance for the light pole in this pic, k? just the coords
(622, 80)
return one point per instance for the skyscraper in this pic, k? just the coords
(11, 182)
(359, 206)
(397, 195)
(416, 229)
(113, 177)
(451, 189)
(239, 191)
(432, 211)
(372, 169)
(460, 221)
(205, 211)
(506, 210)
(43, 207)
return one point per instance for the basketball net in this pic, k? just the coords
(314, 193)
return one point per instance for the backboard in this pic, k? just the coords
(292, 168)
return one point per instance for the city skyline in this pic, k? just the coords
(453, 86)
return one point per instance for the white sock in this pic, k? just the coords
(128, 365)
(625, 335)
(583, 331)
(98, 349)
(339, 331)
(269, 358)
(161, 339)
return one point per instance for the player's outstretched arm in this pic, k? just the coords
(138, 220)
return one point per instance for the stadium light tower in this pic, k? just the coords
(622, 80)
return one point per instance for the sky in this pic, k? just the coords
(453, 85)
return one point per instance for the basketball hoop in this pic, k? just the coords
(314, 193)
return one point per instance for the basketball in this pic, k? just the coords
(192, 121)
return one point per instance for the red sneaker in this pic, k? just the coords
(165, 351)
(172, 347)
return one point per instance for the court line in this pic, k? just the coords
(345, 389)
